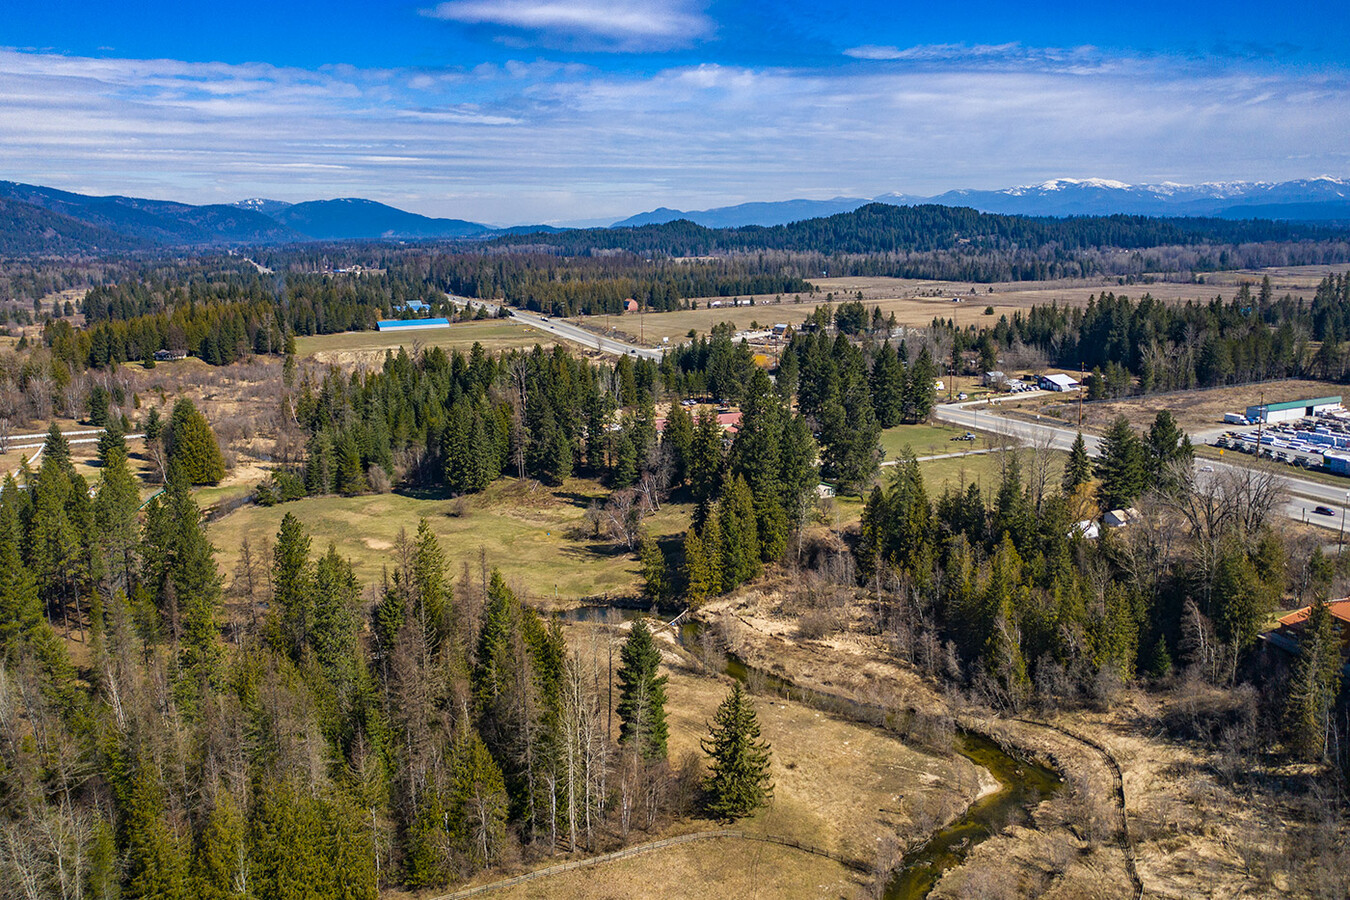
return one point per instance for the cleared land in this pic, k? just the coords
(916, 302)
(1195, 411)
(722, 868)
(845, 787)
(536, 535)
(368, 347)
(927, 440)
(837, 785)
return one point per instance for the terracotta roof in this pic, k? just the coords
(1340, 609)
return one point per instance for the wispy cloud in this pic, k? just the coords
(537, 141)
(623, 25)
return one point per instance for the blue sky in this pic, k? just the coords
(563, 110)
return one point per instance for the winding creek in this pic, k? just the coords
(1022, 783)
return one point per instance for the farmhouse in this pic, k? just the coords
(412, 324)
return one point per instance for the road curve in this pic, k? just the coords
(1304, 495)
(561, 328)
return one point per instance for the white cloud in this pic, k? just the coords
(872, 51)
(537, 141)
(625, 24)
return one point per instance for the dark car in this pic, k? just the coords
(1324, 511)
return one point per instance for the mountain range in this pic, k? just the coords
(38, 220)
(1323, 199)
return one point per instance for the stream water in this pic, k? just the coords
(1022, 783)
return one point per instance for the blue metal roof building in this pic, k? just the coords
(412, 324)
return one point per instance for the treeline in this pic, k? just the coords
(1003, 592)
(338, 748)
(851, 391)
(599, 285)
(883, 228)
(1160, 346)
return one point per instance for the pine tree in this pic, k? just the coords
(478, 801)
(192, 445)
(920, 387)
(706, 462)
(888, 386)
(642, 695)
(655, 582)
(678, 436)
(1314, 685)
(292, 608)
(740, 535)
(333, 635)
(1122, 465)
(1078, 468)
(738, 781)
(154, 861)
(180, 569)
(698, 577)
(1169, 452)
(220, 864)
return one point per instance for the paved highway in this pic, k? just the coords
(567, 331)
(1304, 495)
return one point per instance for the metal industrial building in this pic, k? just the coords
(1291, 410)
(412, 324)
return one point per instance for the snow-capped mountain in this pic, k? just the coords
(1324, 197)
(262, 205)
(1310, 199)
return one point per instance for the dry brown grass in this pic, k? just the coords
(722, 868)
(916, 302)
(368, 347)
(1198, 410)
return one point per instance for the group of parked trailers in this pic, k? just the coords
(1316, 442)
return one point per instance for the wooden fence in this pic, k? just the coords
(651, 847)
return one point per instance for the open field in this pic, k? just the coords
(1195, 411)
(984, 470)
(368, 347)
(721, 868)
(849, 788)
(926, 440)
(527, 530)
(837, 785)
(916, 302)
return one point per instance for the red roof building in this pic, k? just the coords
(1290, 630)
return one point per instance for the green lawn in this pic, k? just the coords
(493, 334)
(530, 533)
(926, 440)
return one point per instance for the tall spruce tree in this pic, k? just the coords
(292, 609)
(1078, 468)
(1122, 465)
(738, 779)
(642, 695)
(192, 444)
(1314, 685)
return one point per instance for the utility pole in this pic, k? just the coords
(1082, 376)
(1260, 421)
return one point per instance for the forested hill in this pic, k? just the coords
(26, 229)
(882, 228)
